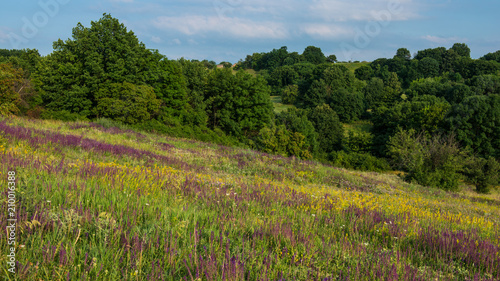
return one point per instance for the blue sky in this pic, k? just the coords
(228, 30)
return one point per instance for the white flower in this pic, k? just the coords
(313, 215)
(147, 204)
(48, 201)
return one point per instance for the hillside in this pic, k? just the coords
(106, 203)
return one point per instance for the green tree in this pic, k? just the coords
(348, 105)
(327, 124)
(10, 99)
(127, 103)
(331, 59)
(483, 173)
(403, 53)
(279, 140)
(238, 104)
(318, 93)
(96, 58)
(295, 120)
(313, 55)
(428, 67)
(492, 56)
(433, 161)
(364, 72)
(475, 121)
(290, 94)
(461, 49)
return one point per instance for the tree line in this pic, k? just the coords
(434, 115)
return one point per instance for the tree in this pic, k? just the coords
(348, 105)
(364, 72)
(403, 53)
(318, 93)
(429, 67)
(331, 59)
(238, 104)
(424, 113)
(461, 49)
(126, 102)
(290, 94)
(327, 124)
(482, 172)
(475, 121)
(492, 56)
(95, 59)
(295, 120)
(9, 96)
(432, 161)
(279, 140)
(313, 55)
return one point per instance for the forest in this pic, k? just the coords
(434, 115)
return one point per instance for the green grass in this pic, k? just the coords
(140, 210)
(361, 126)
(278, 106)
(352, 66)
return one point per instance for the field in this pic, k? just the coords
(96, 202)
(278, 105)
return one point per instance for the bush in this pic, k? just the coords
(482, 172)
(62, 115)
(433, 161)
(359, 161)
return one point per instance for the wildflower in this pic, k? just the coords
(313, 215)
(147, 204)
(48, 201)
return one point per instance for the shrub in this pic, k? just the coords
(482, 172)
(359, 161)
(433, 161)
(62, 115)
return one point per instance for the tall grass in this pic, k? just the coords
(94, 205)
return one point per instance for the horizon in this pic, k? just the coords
(229, 30)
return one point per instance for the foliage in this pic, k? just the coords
(483, 173)
(96, 58)
(423, 113)
(432, 161)
(126, 102)
(348, 105)
(475, 122)
(358, 160)
(327, 124)
(313, 55)
(290, 94)
(296, 120)
(238, 104)
(279, 140)
(10, 99)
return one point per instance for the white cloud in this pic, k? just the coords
(234, 27)
(443, 40)
(177, 41)
(327, 31)
(341, 10)
(4, 37)
(156, 39)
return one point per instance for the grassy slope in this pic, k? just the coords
(278, 105)
(353, 65)
(101, 203)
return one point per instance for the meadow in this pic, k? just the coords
(103, 202)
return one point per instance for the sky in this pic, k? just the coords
(229, 30)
